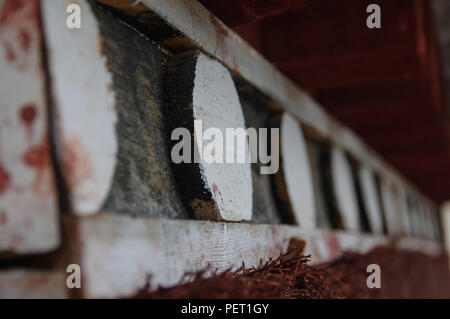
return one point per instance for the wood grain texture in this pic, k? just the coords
(143, 184)
(83, 106)
(120, 254)
(29, 220)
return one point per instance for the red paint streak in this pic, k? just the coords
(27, 115)
(10, 55)
(9, 10)
(4, 180)
(25, 40)
(18, 25)
(38, 158)
(216, 192)
(76, 160)
(3, 218)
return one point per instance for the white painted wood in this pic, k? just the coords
(297, 172)
(429, 232)
(210, 35)
(344, 189)
(390, 208)
(84, 105)
(118, 253)
(421, 245)
(28, 199)
(216, 104)
(403, 212)
(371, 199)
(32, 284)
(445, 217)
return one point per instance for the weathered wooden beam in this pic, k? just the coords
(192, 26)
(167, 249)
(143, 182)
(201, 96)
(29, 220)
(119, 254)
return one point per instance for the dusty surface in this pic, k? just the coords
(404, 274)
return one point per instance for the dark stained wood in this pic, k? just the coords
(264, 206)
(143, 183)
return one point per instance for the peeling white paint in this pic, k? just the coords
(344, 189)
(371, 199)
(390, 208)
(297, 171)
(84, 105)
(216, 103)
(403, 211)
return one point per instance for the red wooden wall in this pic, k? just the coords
(383, 83)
